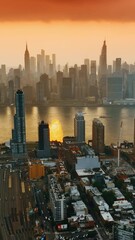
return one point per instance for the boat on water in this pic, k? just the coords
(103, 116)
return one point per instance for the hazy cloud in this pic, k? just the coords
(78, 10)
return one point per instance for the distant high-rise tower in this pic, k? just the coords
(43, 140)
(87, 63)
(92, 83)
(73, 76)
(43, 89)
(42, 61)
(27, 63)
(79, 127)
(3, 74)
(18, 142)
(118, 67)
(33, 65)
(47, 63)
(103, 70)
(98, 136)
(59, 76)
(83, 82)
(11, 94)
(114, 89)
(54, 63)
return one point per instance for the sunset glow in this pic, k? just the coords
(74, 30)
(56, 132)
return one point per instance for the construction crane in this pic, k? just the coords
(119, 141)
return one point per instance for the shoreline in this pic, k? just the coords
(67, 104)
(72, 103)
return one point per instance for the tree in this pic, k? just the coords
(99, 185)
(128, 195)
(109, 197)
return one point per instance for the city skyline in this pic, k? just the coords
(73, 30)
(69, 50)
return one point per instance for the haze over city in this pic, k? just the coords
(67, 120)
(74, 30)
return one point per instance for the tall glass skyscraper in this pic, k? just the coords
(98, 136)
(43, 140)
(79, 127)
(18, 142)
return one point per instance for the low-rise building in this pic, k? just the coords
(87, 162)
(124, 231)
(93, 191)
(106, 217)
(74, 193)
(118, 195)
(100, 203)
(123, 206)
(36, 170)
(57, 200)
(83, 221)
(109, 183)
(80, 208)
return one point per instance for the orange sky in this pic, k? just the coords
(47, 10)
(72, 29)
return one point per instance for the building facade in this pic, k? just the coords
(43, 140)
(114, 88)
(18, 142)
(98, 136)
(124, 231)
(79, 127)
(27, 64)
(57, 200)
(103, 71)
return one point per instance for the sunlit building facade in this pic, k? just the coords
(98, 136)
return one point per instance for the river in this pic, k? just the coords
(61, 121)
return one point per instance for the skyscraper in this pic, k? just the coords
(118, 67)
(3, 74)
(59, 76)
(114, 89)
(43, 89)
(18, 142)
(83, 82)
(39, 65)
(47, 62)
(27, 63)
(79, 127)
(11, 94)
(43, 140)
(103, 71)
(33, 65)
(54, 63)
(97, 136)
(73, 76)
(66, 88)
(92, 84)
(87, 63)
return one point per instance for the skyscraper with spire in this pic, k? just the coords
(102, 75)
(27, 63)
(18, 142)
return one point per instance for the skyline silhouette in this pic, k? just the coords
(74, 30)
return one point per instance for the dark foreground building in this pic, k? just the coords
(18, 142)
